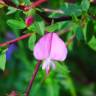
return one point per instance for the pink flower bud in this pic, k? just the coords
(29, 20)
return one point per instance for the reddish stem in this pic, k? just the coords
(38, 2)
(23, 7)
(33, 5)
(33, 77)
(16, 40)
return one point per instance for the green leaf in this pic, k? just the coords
(66, 81)
(79, 33)
(52, 27)
(89, 31)
(31, 41)
(70, 86)
(32, 28)
(50, 89)
(27, 2)
(71, 9)
(16, 2)
(85, 4)
(2, 60)
(57, 26)
(1, 6)
(78, 30)
(89, 35)
(16, 24)
(40, 25)
(11, 10)
(64, 70)
(92, 43)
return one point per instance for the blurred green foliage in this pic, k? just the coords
(76, 76)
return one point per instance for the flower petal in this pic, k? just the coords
(46, 66)
(58, 48)
(42, 48)
(50, 45)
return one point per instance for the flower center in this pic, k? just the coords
(47, 64)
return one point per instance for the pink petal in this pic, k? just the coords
(58, 48)
(46, 66)
(50, 45)
(42, 48)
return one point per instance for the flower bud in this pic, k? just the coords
(29, 20)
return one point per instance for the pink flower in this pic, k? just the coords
(29, 20)
(50, 48)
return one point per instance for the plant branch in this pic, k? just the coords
(49, 20)
(43, 14)
(33, 77)
(71, 39)
(23, 7)
(15, 40)
(35, 4)
(53, 11)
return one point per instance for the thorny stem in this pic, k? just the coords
(15, 40)
(32, 79)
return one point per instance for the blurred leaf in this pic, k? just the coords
(79, 33)
(31, 41)
(40, 25)
(27, 2)
(66, 81)
(50, 89)
(2, 60)
(89, 35)
(57, 26)
(16, 2)
(64, 70)
(89, 31)
(11, 10)
(70, 86)
(87, 90)
(1, 5)
(55, 4)
(85, 4)
(32, 28)
(52, 27)
(92, 43)
(16, 24)
(71, 9)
